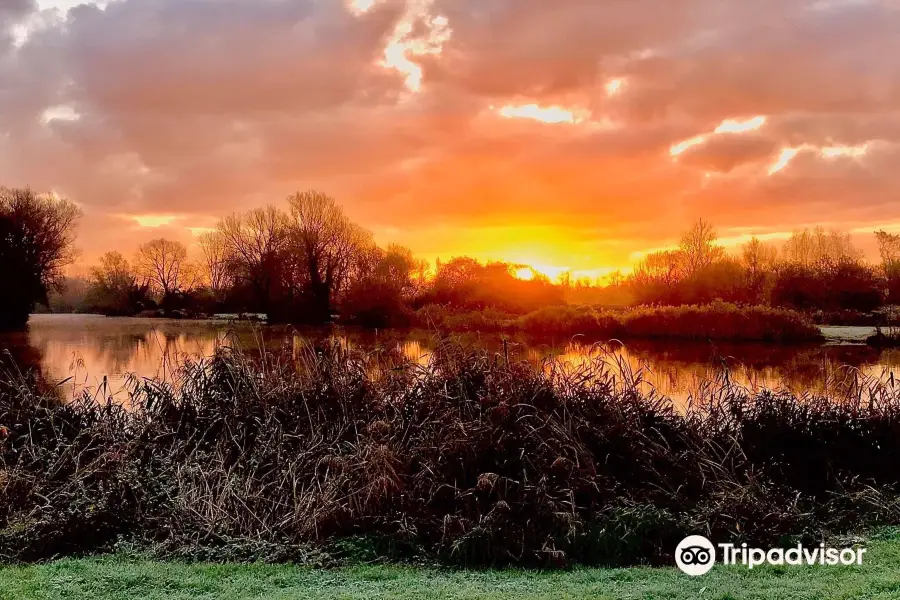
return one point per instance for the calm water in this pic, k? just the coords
(89, 352)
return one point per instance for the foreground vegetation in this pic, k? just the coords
(126, 577)
(471, 460)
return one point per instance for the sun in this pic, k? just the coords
(525, 273)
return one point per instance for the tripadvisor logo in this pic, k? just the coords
(696, 555)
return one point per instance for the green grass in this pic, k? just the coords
(124, 578)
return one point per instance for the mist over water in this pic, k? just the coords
(100, 355)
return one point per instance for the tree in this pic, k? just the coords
(327, 249)
(816, 248)
(255, 246)
(378, 298)
(214, 263)
(163, 264)
(698, 247)
(113, 288)
(656, 278)
(889, 249)
(36, 243)
(758, 261)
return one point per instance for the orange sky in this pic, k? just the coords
(574, 134)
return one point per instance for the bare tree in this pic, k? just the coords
(758, 262)
(698, 247)
(214, 262)
(818, 247)
(163, 264)
(889, 249)
(329, 246)
(254, 246)
(758, 258)
(663, 268)
(37, 233)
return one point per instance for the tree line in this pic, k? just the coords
(308, 262)
(813, 270)
(304, 263)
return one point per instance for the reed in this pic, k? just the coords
(471, 459)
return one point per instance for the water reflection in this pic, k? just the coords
(91, 353)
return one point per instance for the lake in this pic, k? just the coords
(85, 352)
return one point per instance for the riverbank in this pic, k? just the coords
(120, 577)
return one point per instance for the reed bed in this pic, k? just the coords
(469, 459)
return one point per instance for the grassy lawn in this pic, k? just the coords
(127, 578)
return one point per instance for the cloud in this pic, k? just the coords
(146, 110)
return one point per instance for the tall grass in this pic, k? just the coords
(472, 459)
(716, 321)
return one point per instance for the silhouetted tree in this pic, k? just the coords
(759, 262)
(815, 247)
(889, 249)
(255, 253)
(844, 285)
(114, 289)
(163, 264)
(36, 243)
(656, 277)
(463, 282)
(327, 250)
(380, 296)
(698, 247)
(214, 263)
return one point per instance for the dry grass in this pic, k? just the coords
(470, 459)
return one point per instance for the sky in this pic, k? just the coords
(570, 135)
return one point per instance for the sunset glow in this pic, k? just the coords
(849, 151)
(408, 42)
(728, 126)
(525, 273)
(569, 136)
(361, 6)
(549, 114)
(784, 159)
(153, 221)
(737, 126)
(681, 147)
(614, 86)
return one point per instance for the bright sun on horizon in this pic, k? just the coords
(525, 273)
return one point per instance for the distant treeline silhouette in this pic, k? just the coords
(815, 270)
(309, 263)
(306, 264)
